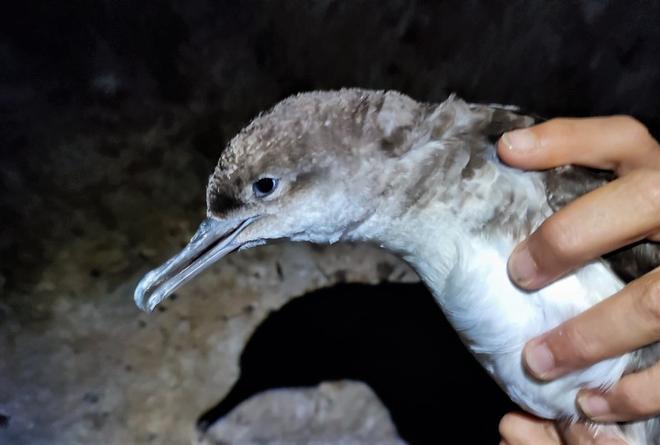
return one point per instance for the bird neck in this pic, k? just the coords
(465, 270)
(440, 218)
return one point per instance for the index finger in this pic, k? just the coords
(619, 143)
(632, 317)
(612, 216)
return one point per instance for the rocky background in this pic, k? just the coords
(112, 115)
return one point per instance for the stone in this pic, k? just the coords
(332, 413)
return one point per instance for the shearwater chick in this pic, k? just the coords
(423, 181)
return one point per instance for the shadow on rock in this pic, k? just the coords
(394, 338)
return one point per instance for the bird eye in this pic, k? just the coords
(264, 187)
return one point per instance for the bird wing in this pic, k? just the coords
(567, 183)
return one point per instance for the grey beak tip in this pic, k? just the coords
(140, 303)
(140, 297)
(145, 306)
(150, 306)
(213, 240)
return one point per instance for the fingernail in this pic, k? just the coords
(609, 439)
(522, 267)
(520, 140)
(584, 433)
(539, 359)
(594, 406)
(602, 440)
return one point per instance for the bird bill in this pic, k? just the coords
(214, 239)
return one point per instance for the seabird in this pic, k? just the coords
(423, 181)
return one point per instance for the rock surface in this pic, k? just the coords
(96, 370)
(333, 413)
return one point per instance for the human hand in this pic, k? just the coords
(619, 213)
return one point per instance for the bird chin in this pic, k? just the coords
(213, 240)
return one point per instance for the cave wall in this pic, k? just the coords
(112, 115)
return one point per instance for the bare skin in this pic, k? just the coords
(622, 212)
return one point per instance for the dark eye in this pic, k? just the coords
(264, 187)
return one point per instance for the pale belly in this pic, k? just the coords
(496, 319)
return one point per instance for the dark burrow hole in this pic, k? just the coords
(391, 336)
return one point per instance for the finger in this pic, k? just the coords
(632, 318)
(617, 214)
(635, 396)
(523, 429)
(619, 143)
(582, 434)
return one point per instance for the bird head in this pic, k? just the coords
(311, 169)
(345, 165)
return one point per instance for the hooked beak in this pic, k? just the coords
(214, 239)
